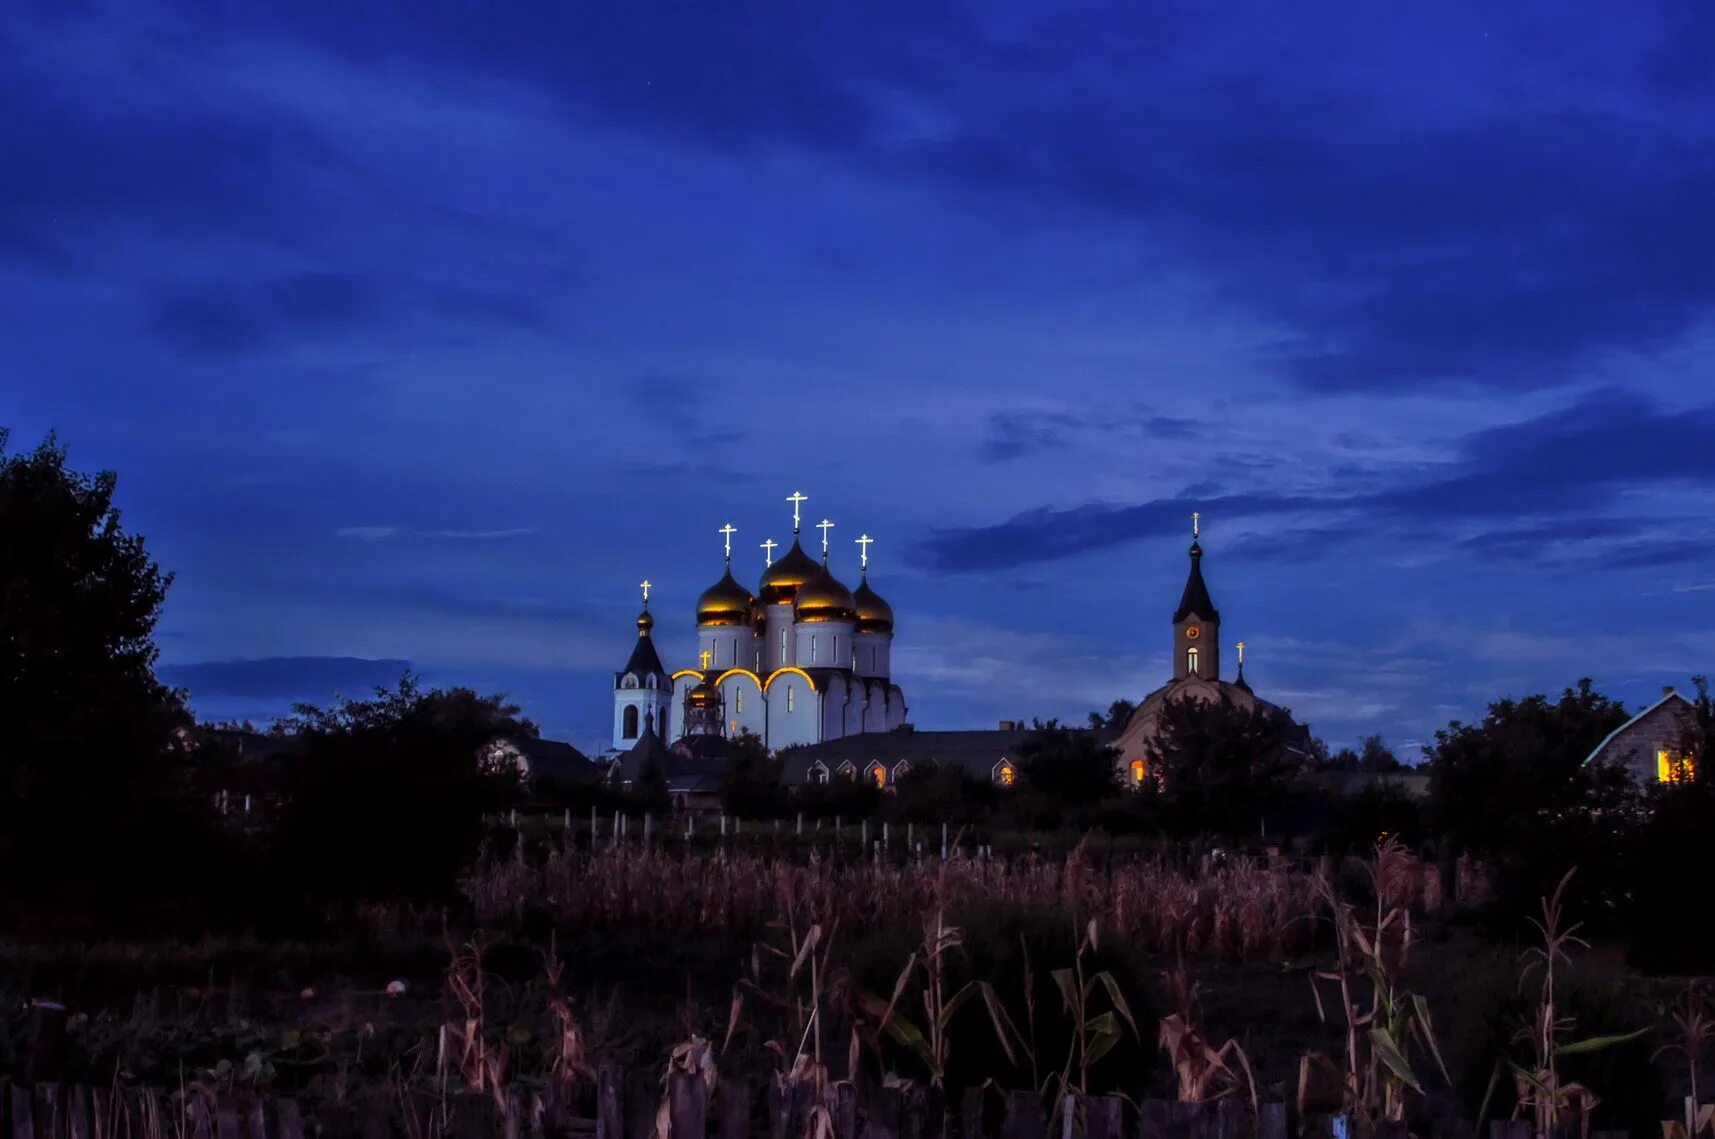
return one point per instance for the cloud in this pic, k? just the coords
(366, 533)
(478, 535)
(283, 678)
(1566, 463)
(230, 319)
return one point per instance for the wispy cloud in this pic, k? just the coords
(366, 533)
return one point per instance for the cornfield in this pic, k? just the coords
(1241, 911)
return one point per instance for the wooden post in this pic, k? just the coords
(800, 824)
(47, 1042)
(943, 842)
(291, 1120)
(595, 826)
(884, 835)
(610, 1103)
(734, 1121)
(648, 825)
(844, 1109)
(865, 836)
(971, 1116)
(688, 1105)
(566, 821)
(884, 1112)
(78, 1116)
(1024, 1116)
(1104, 1116)
(1271, 1121)
(23, 1113)
(723, 824)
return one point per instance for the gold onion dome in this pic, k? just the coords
(782, 580)
(873, 614)
(823, 598)
(703, 695)
(644, 623)
(726, 602)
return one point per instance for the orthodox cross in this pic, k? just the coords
(1195, 534)
(1241, 654)
(795, 498)
(768, 552)
(863, 542)
(646, 595)
(705, 655)
(824, 526)
(727, 532)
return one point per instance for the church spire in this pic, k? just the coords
(1196, 623)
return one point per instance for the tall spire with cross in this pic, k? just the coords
(1196, 623)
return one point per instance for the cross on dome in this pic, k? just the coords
(645, 593)
(864, 541)
(824, 526)
(1196, 525)
(768, 552)
(727, 532)
(796, 498)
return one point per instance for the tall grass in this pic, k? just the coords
(1241, 912)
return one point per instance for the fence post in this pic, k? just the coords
(1024, 1116)
(844, 1110)
(1271, 1121)
(648, 825)
(943, 842)
(883, 1121)
(734, 1120)
(865, 835)
(566, 822)
(687, 1105)
(595, 827)
(610, 1103)
(800, 824)
(884, 834)
(972, 1115)
(723, 824)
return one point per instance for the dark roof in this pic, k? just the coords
(1195, 599)
(644, 659)
(976, 752)
(555, 761)
(693, 763)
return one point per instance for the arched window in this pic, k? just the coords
(791, 698)
(1005, 774)
(878, 774)
(1191, 663)
(649, 681)
(818, 772)
(1138, 772)
(901, 769)
(848, 770)
(630, 719)
(630, 680)
(738, 699)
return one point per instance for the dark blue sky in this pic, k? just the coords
(421, 332)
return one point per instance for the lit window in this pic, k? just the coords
(1138, 772)
(1191, 663)
(812, 650)
(1007, 775)
(1674, 766)
(791, 698)
(879, 774)
(738, 700)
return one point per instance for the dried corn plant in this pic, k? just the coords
(1544, 1096)
(482, 1063)
(1201, 1071)
(1385, 1024)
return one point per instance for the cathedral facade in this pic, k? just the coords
(801, 660)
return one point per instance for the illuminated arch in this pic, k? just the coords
(847, 770)
(687, 672)
(721, 679)
(779, 672)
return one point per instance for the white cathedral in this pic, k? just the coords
(803, 660)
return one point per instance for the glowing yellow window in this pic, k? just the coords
(1674, 766)
(1007, 775)
(1138, 771)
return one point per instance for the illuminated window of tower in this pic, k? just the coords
(1191, 663)
(791, 698)
(738, 700)
(1007, 775)
(1138, 772)
(1673, 766)
(783, 645)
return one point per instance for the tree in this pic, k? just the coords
(1523, 761)
(750, 786)
(1221, 766)
(1373, 755)
(1118, 715)
(88, 729)
(387, 794)
(1067, 766)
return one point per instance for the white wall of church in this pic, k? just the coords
(627, 730)
(746, 707)
(794, 712)
(728, 646)
(874, 653)
(777, 642)
(835, 695)
(822, 644)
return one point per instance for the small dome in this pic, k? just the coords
(873, 614)
(781, 581)
(726, 602)
(823, 598)
(704, 695)
(644, 623)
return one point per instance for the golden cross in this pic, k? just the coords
(863, 541)
(824, 526)
(728, 531)
(1241, 654)
(705, 655)
(768, 552)
(646, 594)
(795, 498)
(1195, 534)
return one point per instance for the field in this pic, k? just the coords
(1094, 972)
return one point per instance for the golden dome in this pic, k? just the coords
(726, 602)
(823, 598)
(704, 695)
(644, 623)
(781, 581)
(873, 614)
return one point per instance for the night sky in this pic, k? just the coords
(424, 334)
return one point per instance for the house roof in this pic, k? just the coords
(556, 761)
(975, 752)
(1666, 697)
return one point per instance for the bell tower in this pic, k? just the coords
(1196, 623)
